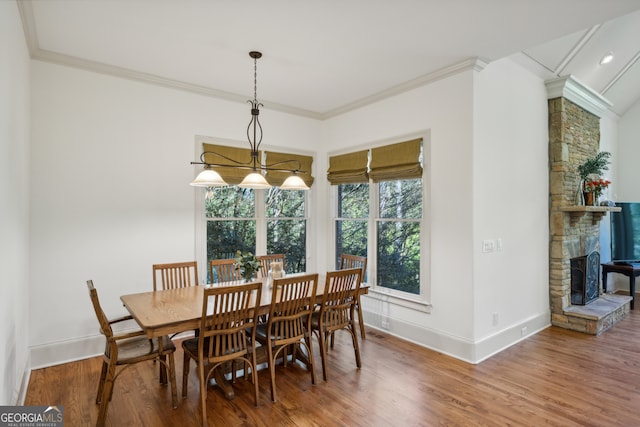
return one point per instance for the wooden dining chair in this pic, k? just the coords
(355, 261)
(336, 311)
(175, 275)
(223, 270)
(289, 322)
(123, 350)
(266, 260)
(227, 333)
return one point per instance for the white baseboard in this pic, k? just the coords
(66, 351)
(465, 350)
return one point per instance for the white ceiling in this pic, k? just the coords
(321, 58)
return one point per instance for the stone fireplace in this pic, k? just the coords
(574, 135)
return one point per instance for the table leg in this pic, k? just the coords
(632, 288)
(222, 382)
(604, 281)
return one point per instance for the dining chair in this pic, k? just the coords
(289, 323)
(227, 333)
(336, 311)
(355, 261)
(175, 275)
(266, 260)
(125, 349)
(223, 270)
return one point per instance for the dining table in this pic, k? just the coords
(172, 311)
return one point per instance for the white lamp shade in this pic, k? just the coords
(294, 182)
(254, 180)
(208, 178)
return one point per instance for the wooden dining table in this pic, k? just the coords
(171, 311)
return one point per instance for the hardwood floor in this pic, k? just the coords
(555, 378)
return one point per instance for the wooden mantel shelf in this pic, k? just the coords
(597, 212)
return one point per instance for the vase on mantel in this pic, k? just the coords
(589, 198)
(580, 194)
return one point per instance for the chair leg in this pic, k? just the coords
(203, 394)
(103, 376)
(360, 318)
(106, 394)
(272, 371)
(356, 347)
(163, 368)
(185, 375)
(172, 378)
(254, 374)
(323, 341)
(311, 366)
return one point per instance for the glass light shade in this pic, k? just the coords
(294, 182)
(254, 180)
(208, 178)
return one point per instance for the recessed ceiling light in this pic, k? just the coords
(607, 58)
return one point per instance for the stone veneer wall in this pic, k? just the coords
(574, 135)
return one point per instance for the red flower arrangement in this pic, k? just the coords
(596, 186)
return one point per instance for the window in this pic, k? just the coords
(381, 216)
(257, 221)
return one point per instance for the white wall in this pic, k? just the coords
(14, 205)
(110, 194)
(477, 125)
(511, 204)
(628, 179)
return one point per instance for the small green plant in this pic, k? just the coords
(247, 263)
(594, 165)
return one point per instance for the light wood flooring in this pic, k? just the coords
(555, 378)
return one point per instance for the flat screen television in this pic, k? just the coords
(625, 233)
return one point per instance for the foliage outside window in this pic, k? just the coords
(237, 222)
(379, 213)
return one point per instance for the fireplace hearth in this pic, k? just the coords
(585, 273)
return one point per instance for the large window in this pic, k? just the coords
(258, 221)
(379, 214)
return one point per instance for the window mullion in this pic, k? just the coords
(261, 222)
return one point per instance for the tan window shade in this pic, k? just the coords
(348, 168)
(233, 175)
(396, 161)
(289, 161)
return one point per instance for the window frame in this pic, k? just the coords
(420, 301)
(200, 218)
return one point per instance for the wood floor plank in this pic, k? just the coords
(555, 378)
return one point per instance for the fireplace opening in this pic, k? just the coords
(585, 273)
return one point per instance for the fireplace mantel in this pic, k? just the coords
(596, 212)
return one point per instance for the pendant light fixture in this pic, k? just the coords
(255, 178)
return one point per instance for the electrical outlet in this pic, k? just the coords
(488, 245)
(384, 324)
(523, 331)
(498, 245)
(495, 319)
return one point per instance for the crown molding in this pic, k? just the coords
(570, 88)
(475, 64)
(31, 36)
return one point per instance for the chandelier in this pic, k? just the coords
(255, 178)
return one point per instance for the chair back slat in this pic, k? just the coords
(223, 270)
(292, 303)
(354, 261)
(227, 313)
(175, 275)
(339, 298)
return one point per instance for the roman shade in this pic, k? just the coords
(303, 163)
(232, 175)
(396, 161)
(348, 168)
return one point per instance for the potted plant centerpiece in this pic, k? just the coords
(591, 184)
(248, 265)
